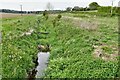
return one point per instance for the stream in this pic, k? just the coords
(43, 58)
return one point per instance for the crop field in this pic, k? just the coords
(11, 15)
(81, 45)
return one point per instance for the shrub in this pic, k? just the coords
(56, 19)
(108, 9)
(45, 14)
(68, 8)
(54, 22)
(46, 17)
(104, 9)
(76, 8)
(59, 16)
(87, 9)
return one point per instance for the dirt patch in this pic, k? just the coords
(84, 24)
(99, 53)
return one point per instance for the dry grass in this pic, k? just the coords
(84, 24)
(10, 15)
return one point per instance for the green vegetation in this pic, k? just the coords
(0, 51)
(17, 52)
(100, 14)
(71, 46)
(107, 9)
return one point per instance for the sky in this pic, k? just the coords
(36, 5)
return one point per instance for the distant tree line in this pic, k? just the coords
(92, 6)
(11, 11)
(15, 11)
(95, 6)
(29, 12)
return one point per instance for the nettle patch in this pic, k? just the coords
(105, 52)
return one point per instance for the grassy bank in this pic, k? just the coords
(17, 52)
(72, 49)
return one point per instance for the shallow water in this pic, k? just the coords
(43, 58)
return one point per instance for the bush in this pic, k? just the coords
(54, 22)
(76, 8)
(59, 16)
(68, 8)
(87, 9)
(56, 19)
(102, 14)
(108, 9)
(104, 9)
(45, 14)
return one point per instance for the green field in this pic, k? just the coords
(72, 43)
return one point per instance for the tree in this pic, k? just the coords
(49, 6)
(68, 8)
(86, 9)
(76, 8)
(94, 5)
(81, 9)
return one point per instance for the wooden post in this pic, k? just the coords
(21, 9)
(112, 8)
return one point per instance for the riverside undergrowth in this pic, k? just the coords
(18, 51)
